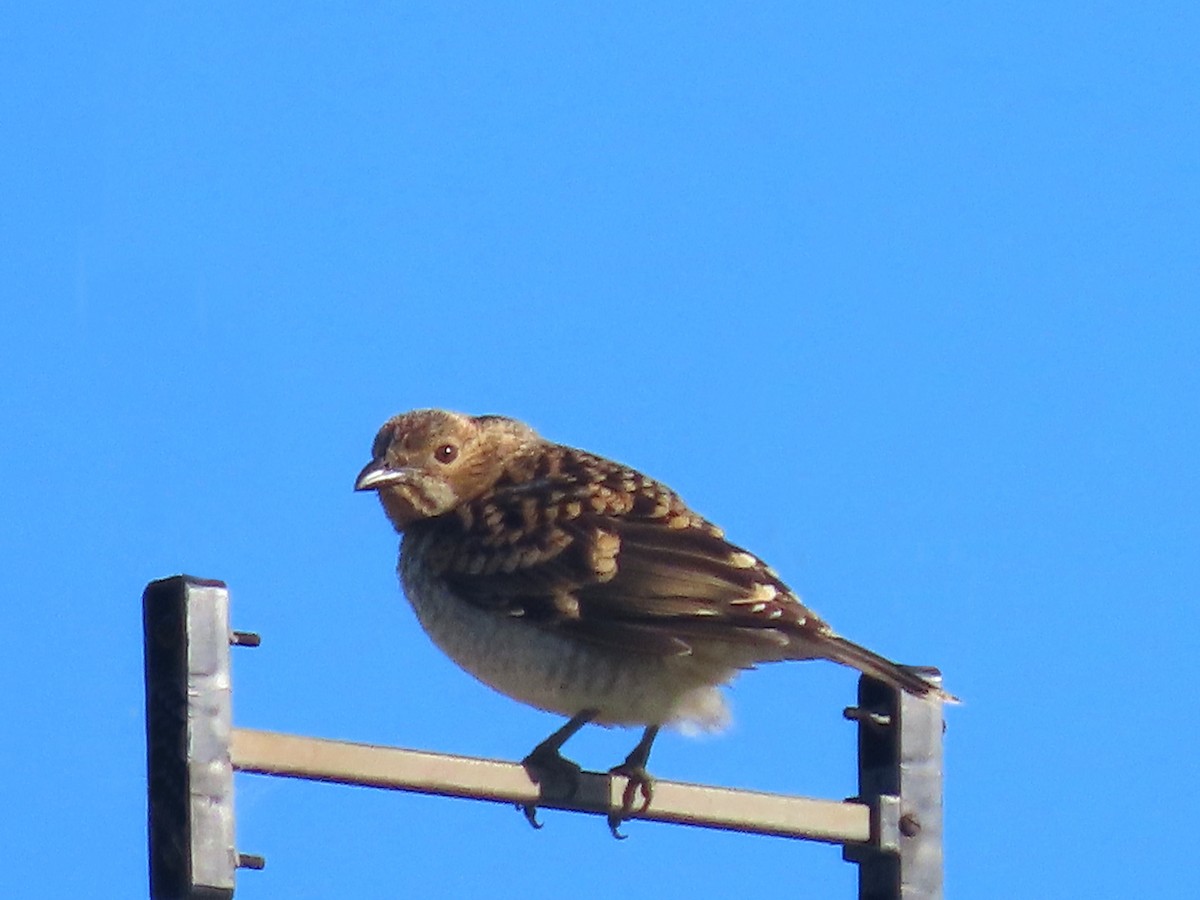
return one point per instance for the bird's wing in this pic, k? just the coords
(614, 558)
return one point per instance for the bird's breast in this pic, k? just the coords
(551, 671)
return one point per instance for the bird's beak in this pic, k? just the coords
(377, 473)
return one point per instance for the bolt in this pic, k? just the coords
(909, 826)
(244, 639)
(867, 715)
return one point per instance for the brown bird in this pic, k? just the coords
(582, 587)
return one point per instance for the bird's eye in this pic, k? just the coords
(446, 453)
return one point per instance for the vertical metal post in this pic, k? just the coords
(188, 724)
(900, 778)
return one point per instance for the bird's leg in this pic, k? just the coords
(547, 768)
(638, 780)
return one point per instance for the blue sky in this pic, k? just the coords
(904, 298)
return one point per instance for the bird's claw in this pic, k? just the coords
(530, 811)
(637, 781)
(614, 823)
(556, 777)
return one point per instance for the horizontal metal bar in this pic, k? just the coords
(294, 756)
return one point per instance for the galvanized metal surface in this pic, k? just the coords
(892, 829)
(188, 722)
(900, 778)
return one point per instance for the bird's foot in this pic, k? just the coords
(557, 778)
(637, 781)
(554, 774)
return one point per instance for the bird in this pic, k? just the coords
(581, 586)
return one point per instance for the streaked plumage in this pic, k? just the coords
(578, 585)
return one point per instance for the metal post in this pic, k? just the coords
(900, 778)
(189, 773)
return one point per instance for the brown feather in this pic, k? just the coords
(575, 543)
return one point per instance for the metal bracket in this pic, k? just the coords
(892, 829)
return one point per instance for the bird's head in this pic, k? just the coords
(426, 462)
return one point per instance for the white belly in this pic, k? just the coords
(543, 669)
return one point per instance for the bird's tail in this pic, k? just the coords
(851, 654)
